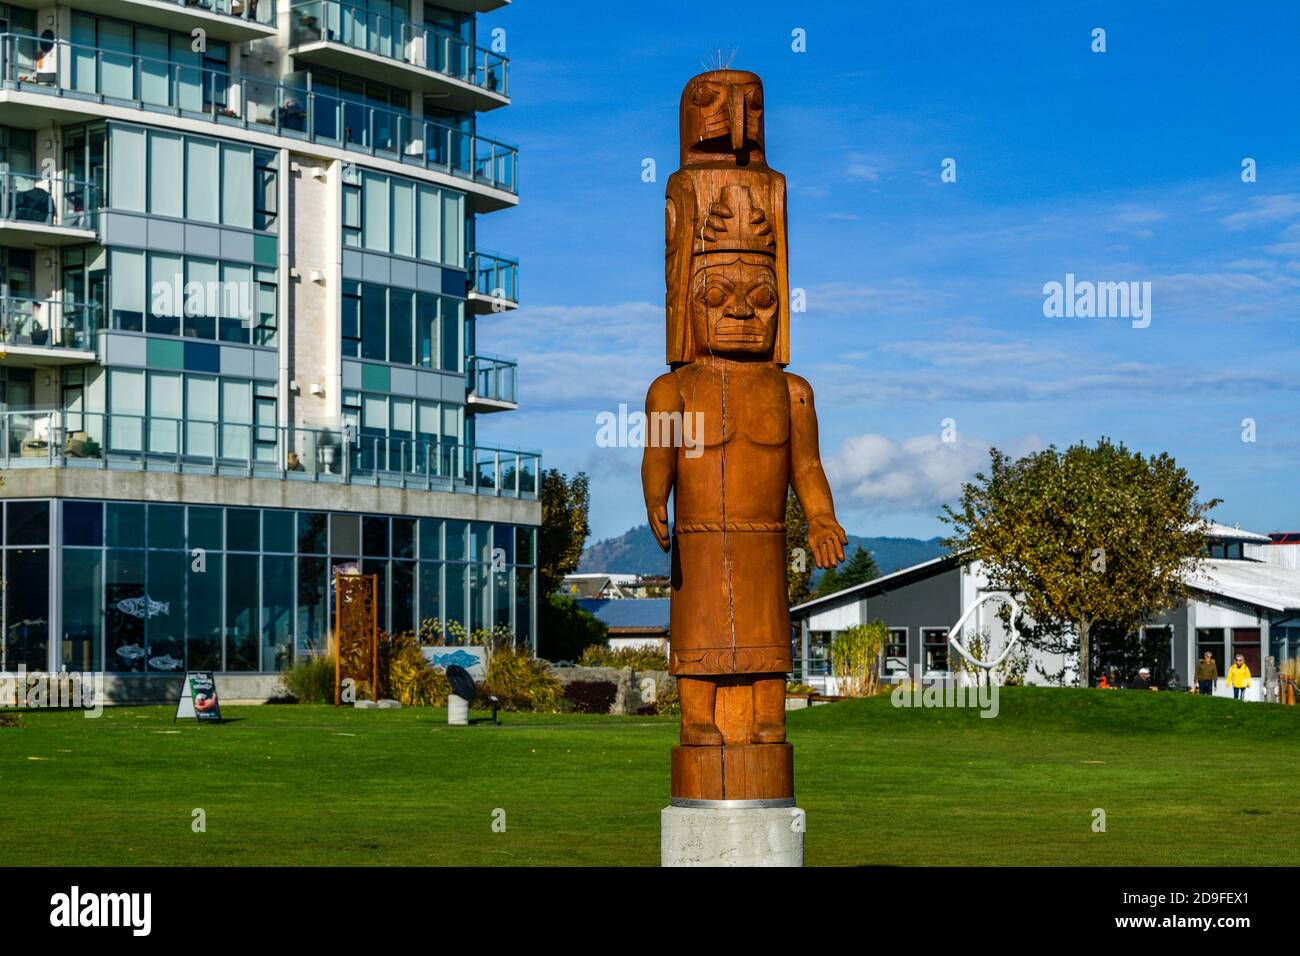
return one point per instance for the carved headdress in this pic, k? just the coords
(724, 198)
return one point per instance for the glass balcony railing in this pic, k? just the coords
(430, 48)
(496, 276)
(113, 440)
(52, 201)
(48, 323)
(491, 378)
(293, 108)
(255, 11)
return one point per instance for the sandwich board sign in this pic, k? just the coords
(198, 697)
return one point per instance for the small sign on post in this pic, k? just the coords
(199, 697)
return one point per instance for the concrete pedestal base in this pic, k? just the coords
(457, 711)
(752, 836)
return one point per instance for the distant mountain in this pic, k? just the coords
(635, 552)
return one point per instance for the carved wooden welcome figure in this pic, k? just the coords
(728, 310)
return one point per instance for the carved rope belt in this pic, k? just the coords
(693, 527)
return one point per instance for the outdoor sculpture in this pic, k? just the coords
(728, 315)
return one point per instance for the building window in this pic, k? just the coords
(934, 647)
(192, 296)
(894, 658)
(204, 416)
(1225, 550)
(169, 73)
(1211, 639)
(191, 177)
(266, 197)
(26, 557)
(401, 217)
(402, 327)
(17, 150)
(1246, 642)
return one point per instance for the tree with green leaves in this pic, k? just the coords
(565, 503)
(829, 582)
(565, 629)
(1086, 537)
(799, 560)
(859, 569)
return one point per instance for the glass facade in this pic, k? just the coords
(399, 216)
(195, 178)
(166, 293)
(154, 588)
(403, 327)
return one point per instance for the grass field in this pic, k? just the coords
(1182, 780)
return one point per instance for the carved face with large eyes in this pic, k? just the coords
(734, 305)
(722, 117)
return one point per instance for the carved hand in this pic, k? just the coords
(658, 516)
(827, 540)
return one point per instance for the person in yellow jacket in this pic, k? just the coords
(1239, 678)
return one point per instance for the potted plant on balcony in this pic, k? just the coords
(69, 335)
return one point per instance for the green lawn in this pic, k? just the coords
(1183, 781)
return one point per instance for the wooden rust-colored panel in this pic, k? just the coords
(356, 632)
(731, 433)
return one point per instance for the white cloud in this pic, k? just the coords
(877, 474)
(1265, 209)
(861, 169)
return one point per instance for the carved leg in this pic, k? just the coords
(698, 695)
(769, 709)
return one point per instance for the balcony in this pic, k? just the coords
(47, 331)
(496, 283)
(342, 37)
(235, 20)
(111, 440)
(36, 211)
(490, 382)
(76, 77)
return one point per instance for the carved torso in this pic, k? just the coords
(743, 468)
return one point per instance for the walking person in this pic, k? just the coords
(1207, 672)
(1239, 678)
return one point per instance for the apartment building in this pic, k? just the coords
(239, 284)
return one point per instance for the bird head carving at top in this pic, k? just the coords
(722, 119)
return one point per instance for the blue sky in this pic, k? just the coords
(925, 299)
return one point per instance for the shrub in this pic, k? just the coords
(855, 658)
(591, 696)
(311, 679)
(405, 675)
(637, 658)
(667, 700)
(792, 688)
(520, 681)
(564, 628)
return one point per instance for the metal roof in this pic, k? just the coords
(1252, 582)
(1215, 530)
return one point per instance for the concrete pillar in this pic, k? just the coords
(732, 833)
